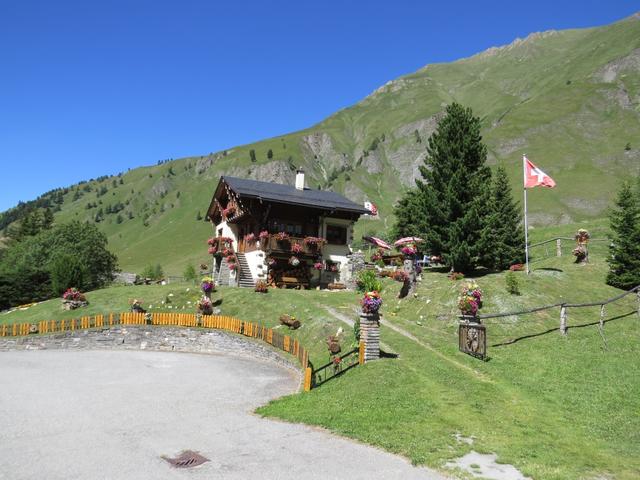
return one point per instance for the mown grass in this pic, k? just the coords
(555, 407)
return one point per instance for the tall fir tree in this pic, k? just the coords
(448, 207)
(624, 258)
(503, 235)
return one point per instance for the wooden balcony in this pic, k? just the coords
(273, 245)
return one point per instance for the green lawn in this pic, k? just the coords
(555, 407)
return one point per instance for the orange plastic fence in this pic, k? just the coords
(220, 322)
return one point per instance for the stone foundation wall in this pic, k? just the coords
(163, 339)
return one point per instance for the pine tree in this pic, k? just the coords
(624, 259)
(503, 235)
(252, 155)
(270, 154)
(47, 219)
(449, 209)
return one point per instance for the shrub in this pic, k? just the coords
(513, 286)
(368, 282)
(66, 272)
(189, 273)
(261, 286)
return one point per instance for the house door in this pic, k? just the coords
(241, 243)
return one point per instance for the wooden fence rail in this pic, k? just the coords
(218, 322)
(564, 306)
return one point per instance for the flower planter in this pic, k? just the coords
(370, 335)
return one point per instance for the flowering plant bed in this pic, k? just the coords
(207, 285)
(455, 276)
(371, 302)
(470, 299)
(72, 298)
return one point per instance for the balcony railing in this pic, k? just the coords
(272, 244)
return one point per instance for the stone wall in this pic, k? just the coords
(163, 339)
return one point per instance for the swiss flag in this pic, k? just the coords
(533, 176)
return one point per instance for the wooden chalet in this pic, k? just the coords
(286, 235)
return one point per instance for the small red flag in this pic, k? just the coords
(533, 176)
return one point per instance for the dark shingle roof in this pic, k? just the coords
(278, 192)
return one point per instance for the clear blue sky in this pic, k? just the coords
(92, 88)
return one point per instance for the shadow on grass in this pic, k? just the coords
(552, 330)
(550, 269)
(217, 303)
(384, 354)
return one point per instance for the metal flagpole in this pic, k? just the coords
(526, 226)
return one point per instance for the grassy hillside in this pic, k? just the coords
(555, 407)
(569, 99)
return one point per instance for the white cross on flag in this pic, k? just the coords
(533, 176)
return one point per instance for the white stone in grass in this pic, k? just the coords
(170, 295)
(188, 289)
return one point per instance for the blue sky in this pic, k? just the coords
(93, 88)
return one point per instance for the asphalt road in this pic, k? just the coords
(113, 414)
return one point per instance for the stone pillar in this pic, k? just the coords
(355, 265)
(370, 335)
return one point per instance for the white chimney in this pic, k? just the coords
(299, 179)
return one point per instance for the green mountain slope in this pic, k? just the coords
(569, 99)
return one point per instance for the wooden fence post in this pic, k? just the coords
(563, 320)
(307, 379)
(361, 353)
(558, 247)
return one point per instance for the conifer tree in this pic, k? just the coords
(503, 235)
(449, 209)
(624, 258)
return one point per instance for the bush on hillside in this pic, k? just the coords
(368, 282)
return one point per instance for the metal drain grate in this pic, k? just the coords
(186, 459)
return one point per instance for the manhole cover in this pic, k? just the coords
(186, 459)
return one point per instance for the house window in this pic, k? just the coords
(336, 235)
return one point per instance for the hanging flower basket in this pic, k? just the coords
(296, 248)
(282, 236)
(318, 265)
(212, 241)
(295, 261)
(250, 238)
(314, 242)
(212, 250)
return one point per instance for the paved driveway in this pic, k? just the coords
(112, 414)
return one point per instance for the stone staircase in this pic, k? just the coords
(222, 277)
(246, 279)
